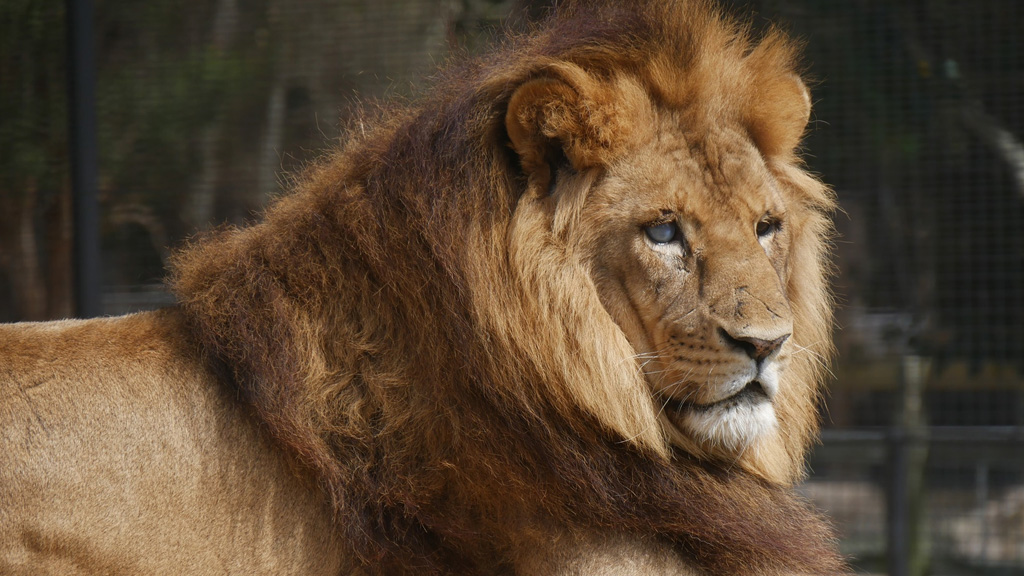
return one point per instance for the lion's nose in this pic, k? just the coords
(758, 349)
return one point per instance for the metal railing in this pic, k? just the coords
(939, 500)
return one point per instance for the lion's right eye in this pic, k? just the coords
(662, 233)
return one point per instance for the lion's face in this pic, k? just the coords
(702, 241)
(690, 262)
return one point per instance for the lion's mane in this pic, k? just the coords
(445, 396)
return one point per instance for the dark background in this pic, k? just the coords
(203, 108)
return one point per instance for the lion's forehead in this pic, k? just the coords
(715, 174)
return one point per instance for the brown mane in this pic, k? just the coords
(346, 319)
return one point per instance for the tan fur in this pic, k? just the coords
(458, 328)
(122, 455)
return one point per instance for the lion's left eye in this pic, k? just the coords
(767, 226)
(662, 233)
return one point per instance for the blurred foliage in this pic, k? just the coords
(33, 160)
(33, 100)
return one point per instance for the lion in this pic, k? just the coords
(565, 313)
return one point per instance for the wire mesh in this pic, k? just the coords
(919, 126)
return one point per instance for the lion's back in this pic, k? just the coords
(123, 454)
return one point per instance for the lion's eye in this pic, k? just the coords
(767, 226)
(662, 233)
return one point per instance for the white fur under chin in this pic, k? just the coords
(733, 428)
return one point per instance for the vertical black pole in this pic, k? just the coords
(896, 514)
(82, 112)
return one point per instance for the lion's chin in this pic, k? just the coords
(731, 425)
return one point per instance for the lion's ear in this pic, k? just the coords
(778, 114)
(565, 116)
(537, 120)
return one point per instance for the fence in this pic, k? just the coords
(918, 126)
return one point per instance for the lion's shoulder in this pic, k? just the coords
(85, 371)
(118, 340)
(138, 377)
(113, 428)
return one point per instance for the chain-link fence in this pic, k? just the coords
(919, 126)
(920, 109)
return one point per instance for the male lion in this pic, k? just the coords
(566, 314)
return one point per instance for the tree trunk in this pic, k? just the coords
(21, 262)
(59, 249)
(202, 198)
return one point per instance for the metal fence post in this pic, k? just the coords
(908, 452)
(84, 163)
(897, 517)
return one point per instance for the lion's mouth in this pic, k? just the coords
(751, 394)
